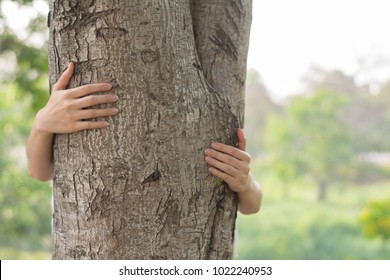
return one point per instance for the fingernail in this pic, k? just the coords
(109, 86)
(207, 151)
(214, 145)
(115, 110)
(115, 98)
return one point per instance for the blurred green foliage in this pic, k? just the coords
(25, 214)
(298, 227)
(311, 138)
(375, 219)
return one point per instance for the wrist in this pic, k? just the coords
(248, 186)
(39, 126)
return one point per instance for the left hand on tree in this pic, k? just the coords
(231, 164)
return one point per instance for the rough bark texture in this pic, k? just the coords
(221, 29)
(140, 189)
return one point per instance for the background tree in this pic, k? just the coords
(140, 189)
(368, 110)
(312, 140)
(258, 106)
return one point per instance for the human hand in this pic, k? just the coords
(66, 110)
(231, 164)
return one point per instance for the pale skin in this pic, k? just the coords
(68, 110)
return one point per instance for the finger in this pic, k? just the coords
(241, 139)
(223, 176)
(92, 100)
(83, 125)
(95, 113)
(226, 168)
(90, 88)
(63, 81)
(233, 151)
(224, 158)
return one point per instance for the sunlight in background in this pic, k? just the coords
(18, 18)
(287, 37)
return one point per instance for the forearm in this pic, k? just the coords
(249, 202)
(39, 151)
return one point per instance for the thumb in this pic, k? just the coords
(63, 81)
(241, 139)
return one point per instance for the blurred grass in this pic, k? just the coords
(10, 253)
(294, 225)
(31, 248)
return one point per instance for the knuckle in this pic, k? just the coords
(93, 113)
(90, 100)
(88, 88)
(88, 125)
(229, 169)
(66, 93)
(223, 176)
(230, 184)
(108, 112)
(61, 95)
(108, 98)
(235, 152)
(217, 172)
(66, 105)
(95, 99)
(229, 149)
(103, 112)
(228, 159)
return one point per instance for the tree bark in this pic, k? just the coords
(221, 30)
(140, 189)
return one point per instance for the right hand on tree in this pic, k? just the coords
(66, 110)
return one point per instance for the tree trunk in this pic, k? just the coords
(140, 189)
(322, 190)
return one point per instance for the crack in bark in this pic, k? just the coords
(223, 41)
(215, 222)
(155, 176)
(77, 203)
(82, 18)
(232, 21)
(237, 7)
(48, 19)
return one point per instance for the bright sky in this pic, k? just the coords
(287, 37)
